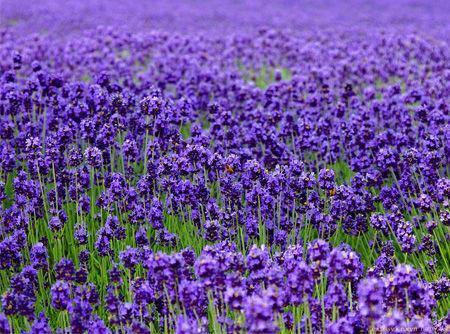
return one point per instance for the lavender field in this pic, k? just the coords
(248, 166)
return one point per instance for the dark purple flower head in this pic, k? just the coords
(344, 265)
(234, 297)
(441, 287)
(371, 293)
(380, 223)
(144, 293)
(165, 238)
(84, 257)
(103, 242)
(65, 270)
(60, 293)
(81, 276)
(336, 297)
(93, 156)
(405, 236)
(427, 245)
(317, 253)
(130, 150)
(80, 312)
(9, 303)
(186, 325)
(81, 234)
(299, 283)
(4, 324)
(212, 230)
(10, 253)
(141, 237)
(341, 326)
(192, 296)
(75, 157)
(392, 322)
(129, 258)
(431, 225)
(445, 218)
(55, 224)
(188, 256)
(2, 191)
(326, 179)
(97, 326)
(259, 317)
(257, 258)
(384, 264)
(115, 275)
(425, 202)
(138, 328)
(39, 256)
(207, 268)
(40, 325)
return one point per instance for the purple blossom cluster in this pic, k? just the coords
(274, 179)
(267, 289)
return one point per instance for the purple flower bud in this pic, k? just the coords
(55, 224)
(259, 317)
(41, 325)
(97, 326)
(60, 293)
(4, 324)
(39, 256)
(65, 270)
(81, 234)
(185, 325)
(93, 157)
(371, 295)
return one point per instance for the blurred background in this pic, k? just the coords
(63, 18)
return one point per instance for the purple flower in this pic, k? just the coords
(55, 224)
(93, 156)
(344, 265)
(259, 317)
(234, 297)
(102, 244)
(81, 234)
(130, 149)
(97, 326)
(65, 270)
(212, 230)
(39, 256)
(115, 275)
(193, 297)
(185, 325)
(144, 293)
(317, 252)
(392, 322)
(341, 326)
(84, 257)
(129, 258)
(141, 237)
(380, 223)
(60, 293)
(336, 297)
(257, 258)
(80, 312)
(371, 293)
(4, 324)
(40, 325)
(326, 179)
(299, 283)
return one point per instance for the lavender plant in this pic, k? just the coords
(278, 178)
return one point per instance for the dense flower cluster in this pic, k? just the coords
(270, 180)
